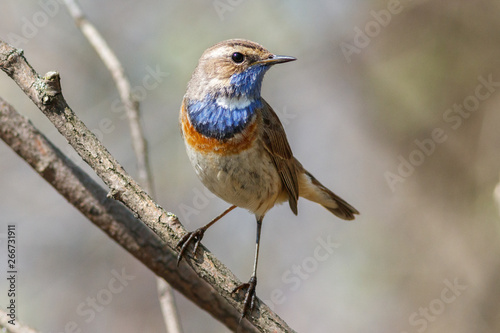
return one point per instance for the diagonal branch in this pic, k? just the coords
(45, 92)
(109, 215)
(139, 143)
(131, 104)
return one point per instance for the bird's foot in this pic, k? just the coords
(184, 242)
(249, 302)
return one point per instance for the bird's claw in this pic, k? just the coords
(184, 242)
(249, 302)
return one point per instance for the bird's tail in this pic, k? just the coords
(311, 189)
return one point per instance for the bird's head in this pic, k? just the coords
(232, 69)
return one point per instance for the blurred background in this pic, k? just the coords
(391, 104)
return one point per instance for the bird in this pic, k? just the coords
(238, 146)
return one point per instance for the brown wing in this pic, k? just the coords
(276, 144)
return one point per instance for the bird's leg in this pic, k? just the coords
(197, 235)
(249, 302)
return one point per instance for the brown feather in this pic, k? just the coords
(276, 144)
(322, 195)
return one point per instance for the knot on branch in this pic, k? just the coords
(8, 56)
(115, 194)
(49, 87)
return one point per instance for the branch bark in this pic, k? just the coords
(109, 215)
(130, 103)
(46, 93)
(139, 143)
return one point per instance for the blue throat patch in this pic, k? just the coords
(248, 82)
(220, 122)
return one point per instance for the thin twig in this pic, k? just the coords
(110, 216)
(139, 143)
(168, 306)
(46, 93)
(122, 83)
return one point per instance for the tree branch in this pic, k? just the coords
(110, 216)
(123, 85)
(139, 143)
(45, 92)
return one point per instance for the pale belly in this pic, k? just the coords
(248, 180)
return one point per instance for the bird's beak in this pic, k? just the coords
(276, 59)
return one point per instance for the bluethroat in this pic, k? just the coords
(237, 144)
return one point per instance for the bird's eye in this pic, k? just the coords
(237, 57)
